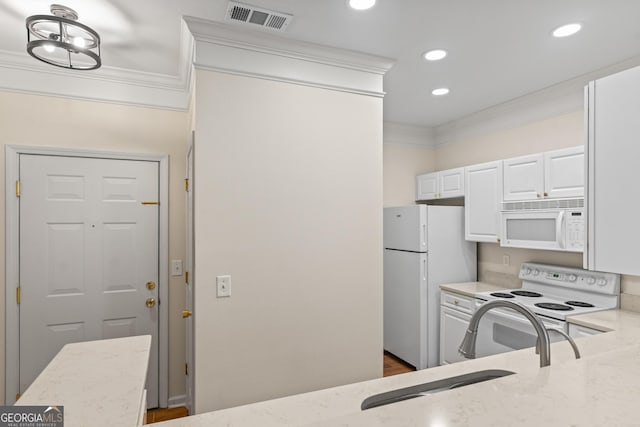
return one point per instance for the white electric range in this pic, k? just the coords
(552, 293)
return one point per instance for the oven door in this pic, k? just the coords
(502, 330)
(533, 230)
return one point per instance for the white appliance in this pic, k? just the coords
(549, 224)
(424, 248)
(551, 292)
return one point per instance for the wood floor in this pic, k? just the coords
(392, 366)
(165, 414)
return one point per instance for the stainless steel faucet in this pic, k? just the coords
(468, 345)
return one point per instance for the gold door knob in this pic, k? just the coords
(186, 313)
(546, 194)
(151, 302)
(538, 195)
(456, 302)
(151, 285)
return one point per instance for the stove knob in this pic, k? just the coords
(591, 280)
(527, 270)
(536, 272)
(572, 277)
(602, 282)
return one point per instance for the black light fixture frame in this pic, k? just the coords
(35, 41)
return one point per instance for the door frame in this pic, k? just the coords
(12, 259)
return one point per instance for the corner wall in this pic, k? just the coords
(288, 197)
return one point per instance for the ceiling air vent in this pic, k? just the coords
(244, 13)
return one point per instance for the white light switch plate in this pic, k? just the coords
(176, 267)
(223, 286)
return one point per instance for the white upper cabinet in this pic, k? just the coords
(524, 178)
(554, 174)
(564, 172)
(613, 198)
(482, 202)
(427, 186)
(440, 185)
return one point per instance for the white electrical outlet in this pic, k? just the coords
(176, 267)
(223, 286)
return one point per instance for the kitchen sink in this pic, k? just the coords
(432, 387)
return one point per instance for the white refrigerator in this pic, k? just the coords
(424, 247)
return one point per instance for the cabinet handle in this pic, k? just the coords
(456, 302)
(546, 194)
(538, 195)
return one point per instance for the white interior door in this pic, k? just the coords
(89, 256)
(189, 280)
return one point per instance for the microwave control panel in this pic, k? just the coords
(574, 238)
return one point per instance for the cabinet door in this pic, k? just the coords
(453, 325)
(482, 199)
(451, 183)
(613, 150)
(564, 172)
(523, 178)
(427, 186)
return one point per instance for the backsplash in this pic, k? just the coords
(493, 269)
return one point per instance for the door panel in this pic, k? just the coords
(87, 249)
(523, 178)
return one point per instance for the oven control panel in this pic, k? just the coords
(593, 281)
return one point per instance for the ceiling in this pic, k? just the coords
(498, 49)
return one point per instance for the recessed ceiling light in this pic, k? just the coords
(440, 91)
(361, 4)
(435, 54)
(567, 30)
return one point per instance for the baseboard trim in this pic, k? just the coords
(175, 401)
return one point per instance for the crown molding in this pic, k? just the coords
(21, 73)
(231, 49)
(562, 98)
(404, 134)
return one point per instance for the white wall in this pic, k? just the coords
(408, 151)
(402, 162)
(47, 121)
(288, 196)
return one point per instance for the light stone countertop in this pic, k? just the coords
(99, 383)
(599, 389)
(470, 289)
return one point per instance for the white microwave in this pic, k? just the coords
(556, 229)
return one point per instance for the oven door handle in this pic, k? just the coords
(506, 314)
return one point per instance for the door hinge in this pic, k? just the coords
(186, 369)
(17, 188)
(18, 295)
(186, 277)
(186, 184)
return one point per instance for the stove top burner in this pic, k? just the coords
(579, 304)
(526, 294)
(501, 295)
(553, 306)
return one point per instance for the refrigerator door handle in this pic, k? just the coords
(424, 269)
(424, 235)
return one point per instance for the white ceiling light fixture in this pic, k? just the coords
(361, 4)
(440, 91)
(435, 55)
(567, 30)
(58, 39)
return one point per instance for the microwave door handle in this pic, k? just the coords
(559, 228)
